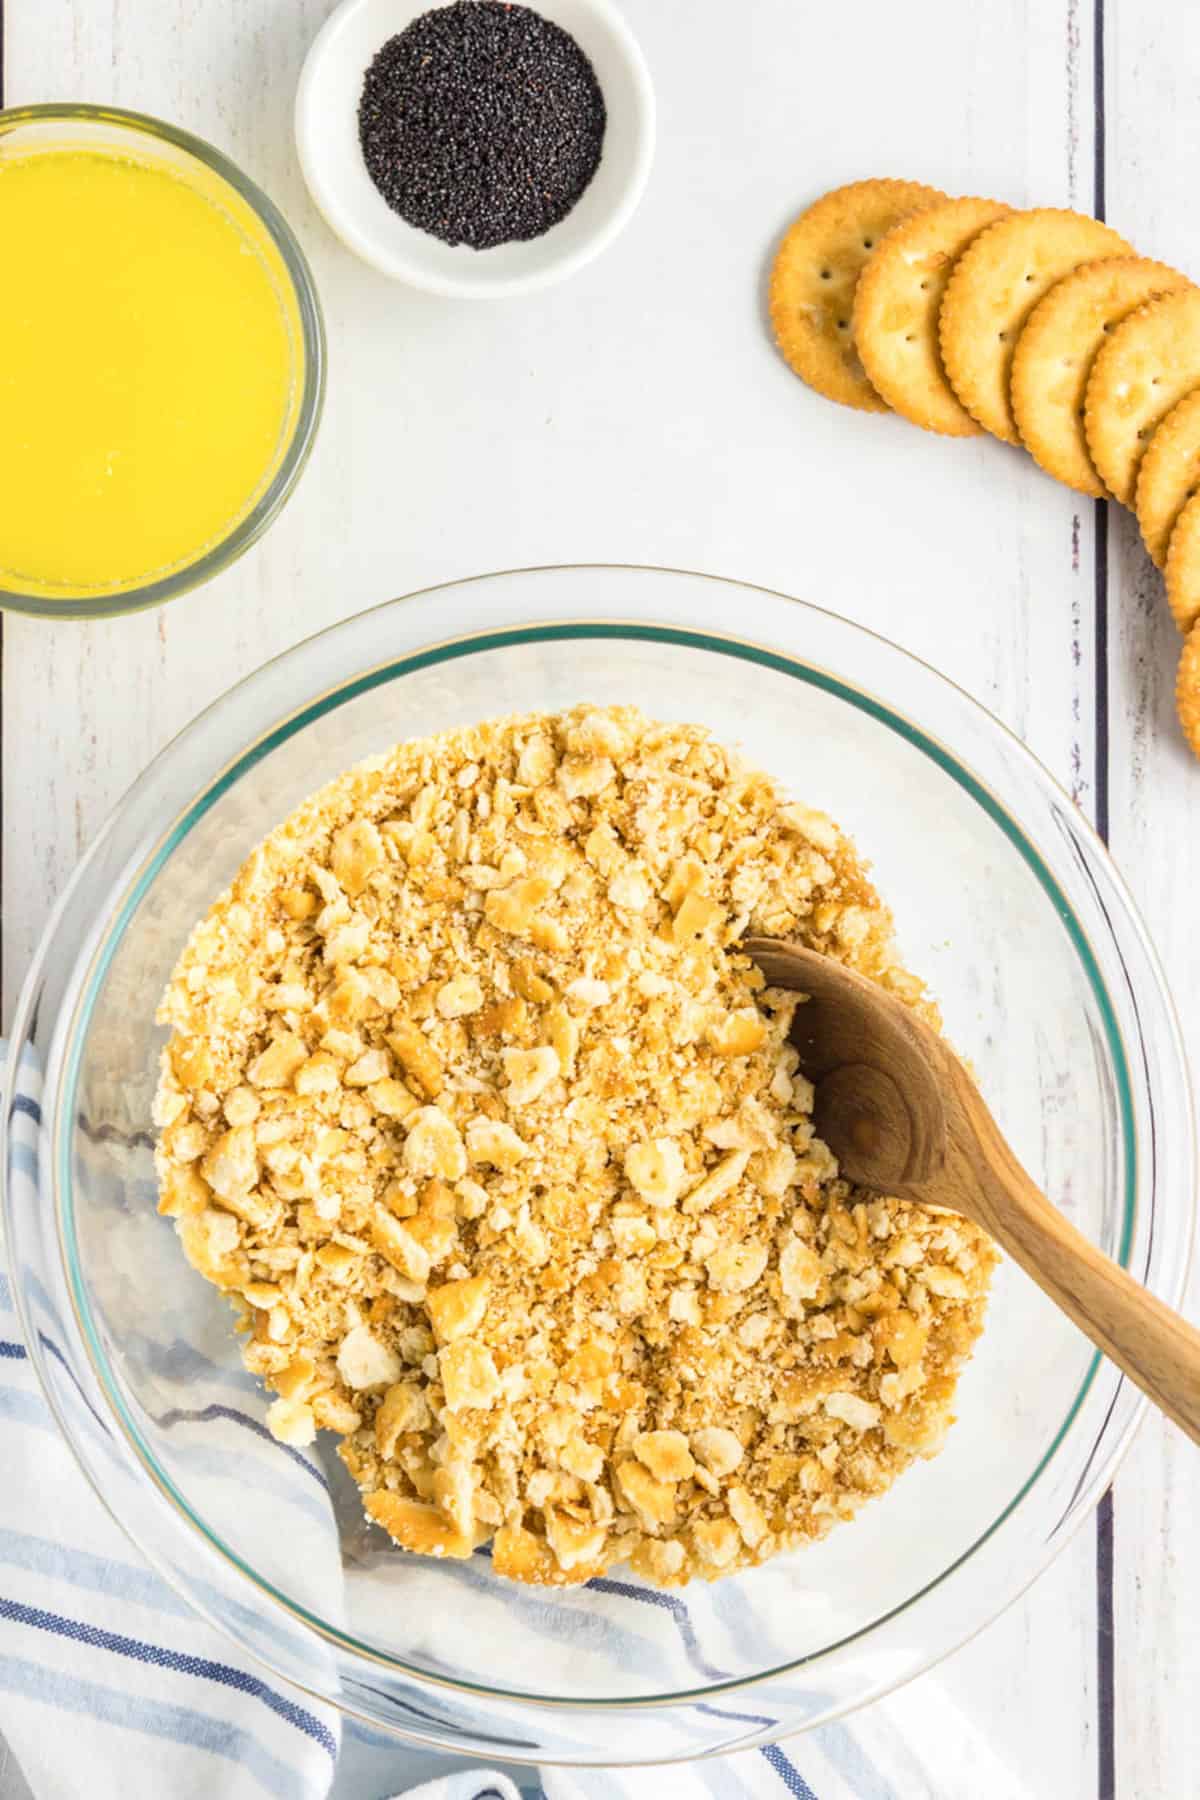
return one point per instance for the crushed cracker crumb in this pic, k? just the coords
(500, 1149)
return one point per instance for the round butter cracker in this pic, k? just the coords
(812, 284)
(1055, 352)
(896, 306)
(1168, 475)
(1150, 361)
(1183, 567)
(994, 287)
(1187, 689)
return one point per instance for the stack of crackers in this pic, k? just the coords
(1043, 327)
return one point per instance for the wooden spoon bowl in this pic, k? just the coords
(902, 1115)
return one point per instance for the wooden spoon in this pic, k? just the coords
(902, 1116)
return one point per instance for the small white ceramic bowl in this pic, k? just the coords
(331, 158)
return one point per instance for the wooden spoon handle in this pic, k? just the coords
(1150, 1343)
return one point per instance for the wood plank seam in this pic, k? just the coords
(1105, 1520)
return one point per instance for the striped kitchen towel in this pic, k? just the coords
(113, 1687)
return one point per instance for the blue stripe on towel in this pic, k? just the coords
(199, 1456)
(266, 1477)
(724, 1712)
(203, 1415)
(27, 1409)
(121, 1580)
(451, 1716)
(787, 1772)
(90, 1573)
(154, 1718)
(846, 1751)
(52, 1349)
(839, 1745)
(562, 1621)
(23, 1159)
(23, 1104)
(31, 1409)
(601, 1584)
(181, 1663)
(16, 1352)
(181, 1362)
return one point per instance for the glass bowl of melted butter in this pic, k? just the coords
(161, 361)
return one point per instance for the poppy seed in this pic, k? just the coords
(481, 123)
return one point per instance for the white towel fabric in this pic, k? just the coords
(110, 1684)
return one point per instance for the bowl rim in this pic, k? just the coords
(312, 349)
(396, 263)
(790, 663)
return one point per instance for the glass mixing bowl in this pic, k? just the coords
(29, 130)
(1005, 901)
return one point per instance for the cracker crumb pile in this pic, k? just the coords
(499, 1147)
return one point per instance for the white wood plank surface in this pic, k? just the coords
(1155, 836)
(638, 413)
